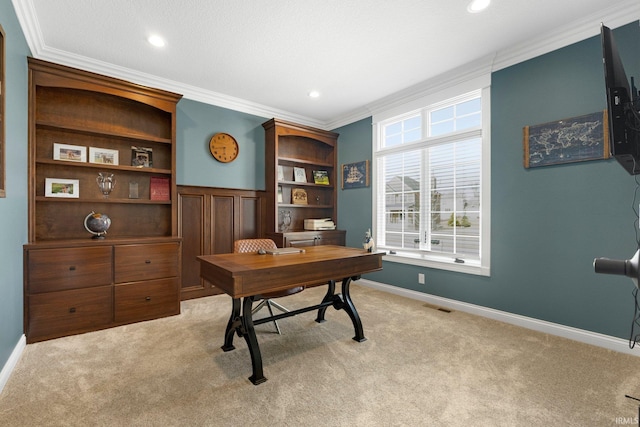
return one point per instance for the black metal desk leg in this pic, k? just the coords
(351, 309)
(331, 290)
(232, 324)
(252, 342)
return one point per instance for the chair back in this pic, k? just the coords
(253, 245)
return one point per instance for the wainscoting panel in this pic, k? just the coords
(209, 221)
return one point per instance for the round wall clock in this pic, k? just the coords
(224, 148)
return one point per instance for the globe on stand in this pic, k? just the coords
(97, 224)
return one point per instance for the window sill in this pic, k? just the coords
(440, 263)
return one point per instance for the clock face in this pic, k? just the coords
(224, 147)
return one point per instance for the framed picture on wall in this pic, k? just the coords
(355, 175)
(576, 139)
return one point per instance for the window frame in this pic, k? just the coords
(423, 105)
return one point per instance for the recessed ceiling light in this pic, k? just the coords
(314, 94)
(156, 40)
(478, 5)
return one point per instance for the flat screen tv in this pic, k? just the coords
(623, 107)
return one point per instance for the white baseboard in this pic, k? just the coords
(587, 337)
(12, 362)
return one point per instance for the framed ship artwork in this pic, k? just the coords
(355, 175)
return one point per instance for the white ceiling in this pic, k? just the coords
(263, 57)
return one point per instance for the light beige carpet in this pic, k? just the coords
(419, 367)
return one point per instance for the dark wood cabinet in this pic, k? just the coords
(59, 269)
(146, 300)
(82, 124)
(211, 219)
(78, 286)
(137, 262)
(290, 146)
(56, 314)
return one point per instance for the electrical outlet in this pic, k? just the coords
(421, 278)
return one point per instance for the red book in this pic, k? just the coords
(159, 188)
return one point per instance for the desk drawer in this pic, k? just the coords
(62, 313)
(146, 300)
(68, 268)
(144, 262)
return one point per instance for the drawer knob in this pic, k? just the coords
(72, 268)
(148, 299)
(148, 261)
(72, 310)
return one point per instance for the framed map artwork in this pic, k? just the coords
(577, 139)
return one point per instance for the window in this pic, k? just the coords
(431, 185)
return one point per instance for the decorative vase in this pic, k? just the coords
(106, 183)
(286, 220)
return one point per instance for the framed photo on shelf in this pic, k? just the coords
(299, 196)
(280, 173)
(299, 174)
(59, 187)
(133, 190)
(141, 157)
(103, 156)
(321, 177)
(69, 153)
(280, 198)
(355, 175)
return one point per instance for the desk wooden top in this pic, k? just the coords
(246, 274)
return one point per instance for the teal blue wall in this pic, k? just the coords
(548, 224)
(13, 208)
(354, 205)
(196, 124)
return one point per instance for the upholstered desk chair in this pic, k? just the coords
(254, 245)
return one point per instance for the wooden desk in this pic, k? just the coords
(247, 275)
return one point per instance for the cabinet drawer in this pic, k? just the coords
(332, 239)
(301, 242)
(314, 238)
(67, 312)
(143, 262)
(146, 300)
(68, 268)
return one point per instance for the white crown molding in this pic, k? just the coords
(31, 29)
(187, 91)
(465, 73)
(620, 14)
(28, 20)
(615, 16)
